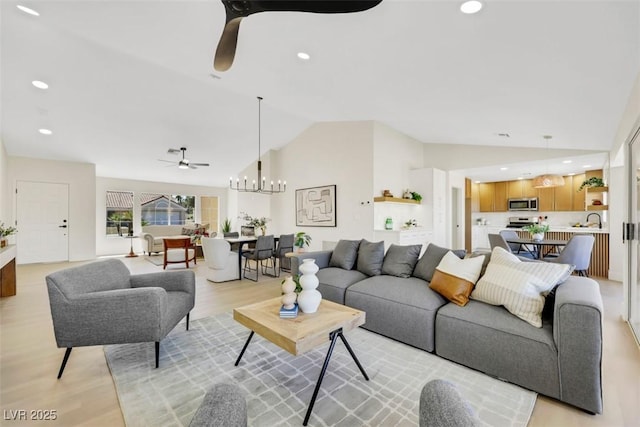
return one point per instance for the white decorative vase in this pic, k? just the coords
(537, 236)
(289, 296)
(309, 298)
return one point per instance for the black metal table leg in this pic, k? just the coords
(333, 336)
(353, 355)
(244, 348)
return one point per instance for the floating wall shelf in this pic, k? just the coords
(395, 200)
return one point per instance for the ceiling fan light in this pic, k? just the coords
(39, 84)
(304, 55)
(472, 6)
(183, 166)
(548, 181)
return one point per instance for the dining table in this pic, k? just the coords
(537, 245)
(240, 242)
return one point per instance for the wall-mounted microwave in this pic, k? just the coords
(525, 204)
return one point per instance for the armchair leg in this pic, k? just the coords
(64, 361)
(188, 321)
(157, 354)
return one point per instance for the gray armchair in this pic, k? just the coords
(102, 303)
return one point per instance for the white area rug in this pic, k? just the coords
(155, 259)
(279, 385)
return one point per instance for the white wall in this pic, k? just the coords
(617, 250)
(339, 153)
(5, 212)
(118, 245)
(81, 178)
(257, 204)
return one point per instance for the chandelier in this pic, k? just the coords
(548, 180)
(261, 185)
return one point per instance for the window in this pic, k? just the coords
(164, 209)
(119, 213)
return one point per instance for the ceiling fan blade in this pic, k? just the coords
(236, 10)
(199, 164)
(191, 166)
(168, 161)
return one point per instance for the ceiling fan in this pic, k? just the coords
(238, 9)
(182, 163)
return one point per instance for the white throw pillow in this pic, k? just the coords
(454, 277)
(519, 286)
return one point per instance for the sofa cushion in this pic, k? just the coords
(401, 260)
(370, 257)
(345, 254)
(454, 277)
(519, 286)
(334, 281)
(402, 309)
(427, 264)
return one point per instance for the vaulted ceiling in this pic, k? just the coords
(130, 79)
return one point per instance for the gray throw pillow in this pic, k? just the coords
(400, 260)
(370, 257)
(345, 254)
(426, 265)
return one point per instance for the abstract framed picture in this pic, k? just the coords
(316, 206)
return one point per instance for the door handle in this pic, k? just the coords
(62, 226)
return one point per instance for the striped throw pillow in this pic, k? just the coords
(519, 286)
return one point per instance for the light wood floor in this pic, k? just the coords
(85, 396)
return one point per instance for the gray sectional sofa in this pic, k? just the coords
(562, 359)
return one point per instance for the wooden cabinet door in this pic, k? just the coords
(486, 191)
(578, 203)
(527, 188)
(475, 197)
(467, 188)
(500, 197)
(563, 198)
(514, 189)
(545, 199)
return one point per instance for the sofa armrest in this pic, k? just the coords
(577, 332)
(184, 281)
(147, 242)
(322, 260)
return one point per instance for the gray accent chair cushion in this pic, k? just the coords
(401, 309)
(335, 281)
(370, 257)
(224, 405)
(401, 260)
(345, 254)
(427, 264)
(441, 405)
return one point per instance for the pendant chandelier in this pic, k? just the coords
(548, 180)
(261, 185)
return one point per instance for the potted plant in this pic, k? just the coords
(226, 226)
(591, 183)
(4, 233)
(416, 196)
(260, 223)
(537, 230)
(301, 239)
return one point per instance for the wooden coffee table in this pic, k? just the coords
(303, 333)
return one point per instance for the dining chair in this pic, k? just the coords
(285, 245)
(261, 253)
(516, 248)
(498, 240)
(577, 252)
(222, 263)
(178, 250)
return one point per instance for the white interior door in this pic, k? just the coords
(634, 244)
(43, 227)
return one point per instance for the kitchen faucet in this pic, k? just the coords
(599, 218)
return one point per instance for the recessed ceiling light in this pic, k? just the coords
(503, 169)
(39, 84)
(567, 161)
(520, 177)
(304, 55)
(586, 166)
(572, 173)
(45, 131)
(477, 182)
(472, 6)
(27, 10)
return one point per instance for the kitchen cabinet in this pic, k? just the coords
(475, 197)
(563, 196)
(578, 196)
(500, 197)
(486, 193)
(521, 188)
(545, 199)
(527, 188)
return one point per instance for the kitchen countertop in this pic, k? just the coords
(566, 229)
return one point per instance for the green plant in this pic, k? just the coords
(301, 239)
(536, 228)
(591, 182)
(416, 196)
(7, 231)
(226, 225)
(296, 280)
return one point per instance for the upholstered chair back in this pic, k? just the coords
(216, 252)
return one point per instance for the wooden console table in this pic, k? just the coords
(8, 271)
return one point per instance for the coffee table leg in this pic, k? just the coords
(334, 336)
(353, 355)
(244, 348)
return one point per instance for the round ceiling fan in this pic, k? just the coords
(182, 163)
(238, 9)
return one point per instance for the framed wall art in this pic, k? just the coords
(316, 206)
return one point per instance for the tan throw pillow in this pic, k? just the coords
(519, 286)
(454, 277)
